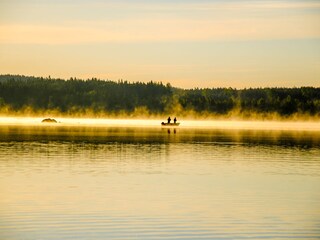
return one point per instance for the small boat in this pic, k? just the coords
(170, 124)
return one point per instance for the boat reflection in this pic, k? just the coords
(171, 130)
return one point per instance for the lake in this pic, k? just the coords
(141, 181)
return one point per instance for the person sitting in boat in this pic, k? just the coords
(175, 120)
(169, 119)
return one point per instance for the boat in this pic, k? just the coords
(170, 124)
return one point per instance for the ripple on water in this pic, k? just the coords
(148, 184)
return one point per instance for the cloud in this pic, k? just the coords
(196, 5)
(155, 21)
(158, 29)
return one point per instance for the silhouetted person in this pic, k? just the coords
(175, 120)
(169, 119)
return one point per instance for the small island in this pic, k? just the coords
(49, 120)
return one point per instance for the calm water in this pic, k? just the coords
(81, 182)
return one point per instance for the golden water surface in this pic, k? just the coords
(107, 179)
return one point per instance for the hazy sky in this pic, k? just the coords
(189, 43)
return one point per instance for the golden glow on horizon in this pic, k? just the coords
(155, 123)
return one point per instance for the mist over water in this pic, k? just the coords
(204, 124)
(121, 179)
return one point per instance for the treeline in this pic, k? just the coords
(70, 96)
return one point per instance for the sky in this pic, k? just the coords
(187, 43)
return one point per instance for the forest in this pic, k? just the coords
(36, 95)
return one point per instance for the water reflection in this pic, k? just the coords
(301, 139)
(67, 182)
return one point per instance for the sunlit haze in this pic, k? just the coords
(186, 43)
(155, 123)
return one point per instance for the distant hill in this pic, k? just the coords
(75, 95)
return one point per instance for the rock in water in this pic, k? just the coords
(49, 120)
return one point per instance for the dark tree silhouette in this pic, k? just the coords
(37, 93)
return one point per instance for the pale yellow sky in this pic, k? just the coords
(187, 43)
